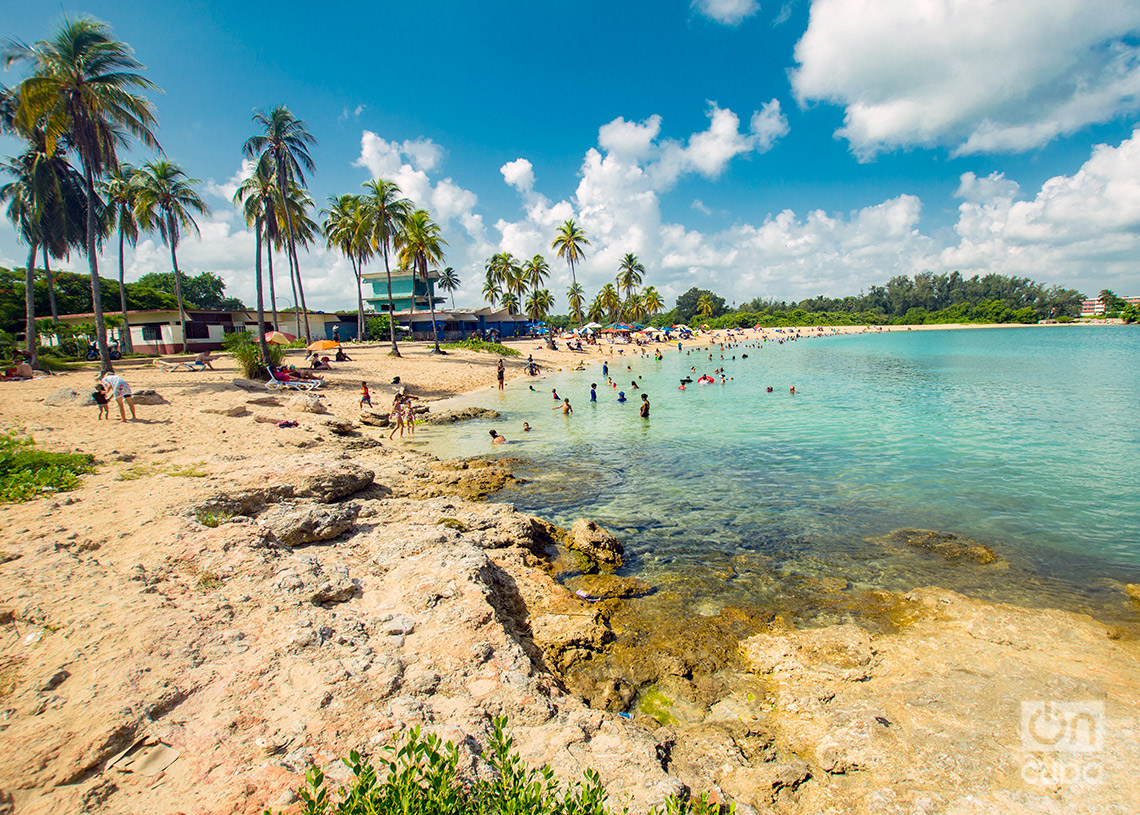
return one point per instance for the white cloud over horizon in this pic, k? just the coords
(978, 76)
(1080, 230)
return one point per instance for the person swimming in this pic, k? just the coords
(621, 396)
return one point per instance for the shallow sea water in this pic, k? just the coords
(1026, 440)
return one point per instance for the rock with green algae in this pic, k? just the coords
(608, 586)
(1133, 591)
(655, 704)
(596, 543)
(946, 545)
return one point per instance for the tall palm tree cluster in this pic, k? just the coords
(81, 103)
(507, 281)
(382, 223)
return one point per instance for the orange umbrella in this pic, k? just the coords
(322, 345)
(279, 337)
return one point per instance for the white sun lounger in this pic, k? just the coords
(275, 384)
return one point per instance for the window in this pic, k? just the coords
(152, 332)
(197, 331)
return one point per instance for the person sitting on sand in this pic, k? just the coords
(322, 364)
(341, 356)
(564, 407)
(118, 389)
(23, 370)
(205, 359)
(497, 438)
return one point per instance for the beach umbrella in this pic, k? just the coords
(322, 345)
(278, 337)
(592, 325)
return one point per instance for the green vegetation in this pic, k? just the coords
(27, 473)
(452, 523)
(247, 352)
(420, 774)
(208, 581)
(212, 519)
(655, 704)
(473, 344)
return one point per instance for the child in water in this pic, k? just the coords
(621, 396)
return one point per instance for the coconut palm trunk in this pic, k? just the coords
(293, 281)
(272, 288)
(300, 289)
(50, 287)
(260, 297)
(431, 302)
(356, 268)
(127, 345)
(93, 265)
(30, 303)
(182, 315)
(395, 352)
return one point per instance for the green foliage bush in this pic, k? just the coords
(26, 472)
(473, 344)
(247, 352)
(420, 775)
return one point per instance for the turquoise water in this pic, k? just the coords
(1026, 440)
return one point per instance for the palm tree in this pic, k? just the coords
(1107, 299)
(421, 244)
(514, 278)
(630, 272)
(538, 304)
(611, 301)
(492, 290)
(166, 200)
(287, 141)
(449, 282)
(345, 228)
(510, 302)
(576, 297)
(388, 213)
(569, 242)
(22, 212)
(293, 219)
(632, 308)
(704, 306)
(120, 191)
(597, 310)
(536, 271)
(257, 193)
(84, 89)
(651, 302)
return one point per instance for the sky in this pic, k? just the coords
(759, 148)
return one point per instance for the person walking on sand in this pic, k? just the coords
(100, 397)
(564, 407)
(365, 396)
(500, 372)
(644, 411)
(118, 389)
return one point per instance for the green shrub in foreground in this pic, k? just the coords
(420, 774)
(26, 473)
(473, 344)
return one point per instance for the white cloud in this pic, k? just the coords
(519, 174)
(226, 189)
(977, 75)
(729, 12)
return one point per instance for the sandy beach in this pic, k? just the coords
(225, 602)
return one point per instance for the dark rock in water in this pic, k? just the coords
(596, 543)
(946, 545)
(464, 415)
(608, 586)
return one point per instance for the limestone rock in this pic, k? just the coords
(1133, 591)
(234, 411)
(264, 401)
(331, 483)
(945, 545)
(339, 427)
(373, 419)
(251, 385)
(65, 396)
(462, 415)
(334, 586)
(147, 396)
(595, 543)
(306, 403)
(298, 524)
(608, 586)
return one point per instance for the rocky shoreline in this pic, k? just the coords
(201, 654)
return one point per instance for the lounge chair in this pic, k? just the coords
(169, 367)
(275, 384)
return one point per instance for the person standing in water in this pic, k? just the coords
(644, 406)
(500, 372)
(593, 392)
(564, 407)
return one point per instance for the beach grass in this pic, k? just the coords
(27, 473)
(472, 344)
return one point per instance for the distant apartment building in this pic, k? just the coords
(1094, 308)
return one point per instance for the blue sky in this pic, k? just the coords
(757, 148)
